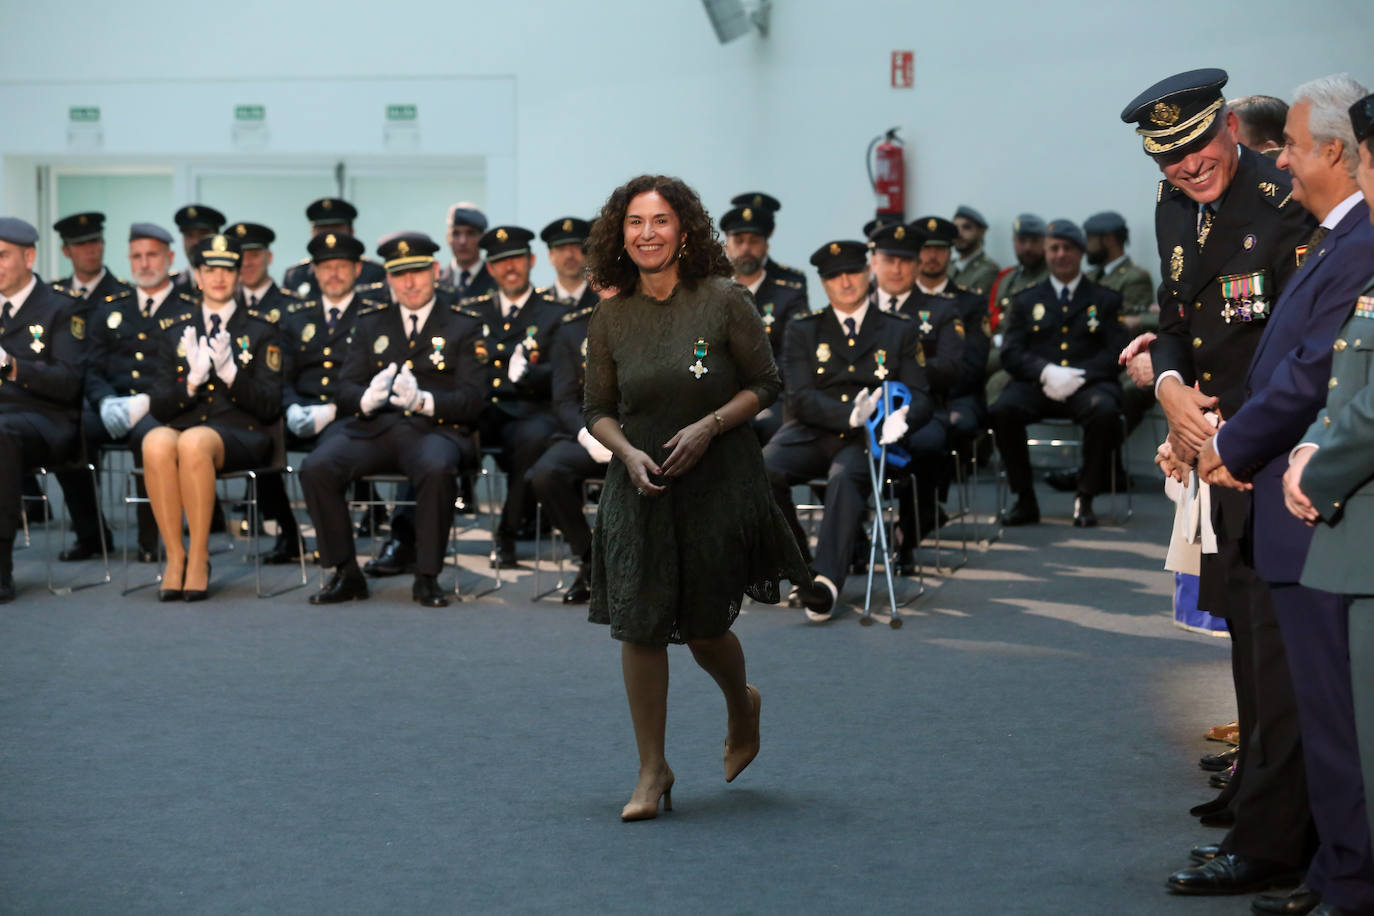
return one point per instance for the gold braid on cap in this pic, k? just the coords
(1199, 122)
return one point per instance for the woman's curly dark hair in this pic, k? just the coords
(703, 257)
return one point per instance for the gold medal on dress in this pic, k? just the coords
(436, 355)
(1092, 319)
(880, 359)
(699, 350)
(245, 355)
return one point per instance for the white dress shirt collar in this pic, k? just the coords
(1339, 211)
(1072, 285)
(934, 290)
(858, 316)
(885, 300)
(224, 315)
(575, 295)
(506, 302)
(342, 305)
(1113, 265)
(422, 313)
(19, 298)
(141, 296)
(90, 287)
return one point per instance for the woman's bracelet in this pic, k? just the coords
(720, 422)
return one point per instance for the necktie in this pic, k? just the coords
(414, 328)
(1204, 225)
(892, 304)
(252, 302)
(463, 280)
(333, 320)
(148, 307)
(214, 325)
(1064, 297)
(83, 291)
(5, 315)
(850, 330)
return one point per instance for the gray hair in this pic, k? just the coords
(1328, 118)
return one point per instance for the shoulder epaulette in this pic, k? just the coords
(122, 294)
(295, 307)
(59, 288)
(1165, 189)
(1275, 194)
(789, 284)
(473, 300)
(371, 307)
(368, 260)
(165, 323)
(271, 317)
(945, 294)
(302, 262)
(189, 300)
(808, 316)
(577, 315)
(901, 316)
(371, 286)
(782, 266)
(463, 310)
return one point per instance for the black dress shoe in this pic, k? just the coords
(1230, 873)
(1025, 511)
(285, 550)
(1064, 480)
(346, 584)
(1297, 902)
(1223, 818)
(426, 592)
(1218, 804)
(905, 564)
(1217, 762)
(7, 591)
(395, 559)
(1083, 516)
(81, 550)
(1219, 780)
(503, 553)
(579, 592)
(1204, 853)
(817, 600)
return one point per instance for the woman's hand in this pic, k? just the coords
(688, 446)
(640, 466)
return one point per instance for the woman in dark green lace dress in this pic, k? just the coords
(677, 365)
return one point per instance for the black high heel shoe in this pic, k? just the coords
(172, 594)
(199, 594)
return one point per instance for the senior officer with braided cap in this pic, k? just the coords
(40, 379)
(1228, 232)
(329, 215)
(837, 361)
(409, 397)
(1060, 348)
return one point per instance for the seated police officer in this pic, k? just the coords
(123, 338)
(1060, 349)
(83, 243)
(256, 289)
(409, 395)
(565, 238)
(195, 222)
(575, 455)
(40, 379)
(837, 361)
(327, 215)
(465, 273)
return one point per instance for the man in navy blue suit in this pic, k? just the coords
(1286, 387)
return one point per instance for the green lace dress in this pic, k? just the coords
(676, 566)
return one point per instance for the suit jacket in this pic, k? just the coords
(1087, 334)
(251, 402)
(1339, 477)
(1257, 231)
(299, 279)
(940, 330)
(533, 325)
(569, 361)
(824, 373)
(1287, 385)
(781, 297)
(442, 360)
(123, 347)
(44, 340)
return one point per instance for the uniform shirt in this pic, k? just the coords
(569, 361)
(940, 332)
(225, 313)
(142, 296)
(18, 299)
(533, 326)
(84, 290)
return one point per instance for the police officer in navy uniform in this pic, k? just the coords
(257, 290)
(837, 360)
(1060, 349)
(1229, 236)
(409, 397)
(123, 336)
(83, 243)
(466, 273)
(195, 221)
(328, 215)
(40, 379)
(779, 292)
(565, 237)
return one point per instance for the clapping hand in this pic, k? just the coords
(405, 392)
(375, 395)
(222, 357)
(518, 363)
(894, 426)
(865, 402)
(198, 360)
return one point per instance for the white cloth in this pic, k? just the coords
(934, 290)
(1193, 534)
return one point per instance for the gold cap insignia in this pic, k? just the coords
(191, 212)
(567, 225)
(327, 204)
(330, 240)
(240, 230)
(834, 247)
(748, 215)
(403, 247)
(81, 219)
(1016, 225)
(899, 233)
(219, 244)
(931, 224)
(758, 200)
(1164, 114)
(502, 235)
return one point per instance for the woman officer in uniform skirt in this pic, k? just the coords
(217, 393)
(677, 365)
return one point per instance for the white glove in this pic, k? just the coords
(894, 426)
(405, 393)
(300, 421)
(600, 454)
(518, 364)
(865, 402)
(222, 356)
(197, 359)
(375, 395)
(1059, 382)
(323, 415)
(114, 414)
(4, 358)
(137, 407)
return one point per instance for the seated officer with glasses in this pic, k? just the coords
(409, 397)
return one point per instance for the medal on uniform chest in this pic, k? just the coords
(699, 350)
(436, 356)
(1176, 263)
(768, 318)
(1364, 307)
(584, 354)
(245, 357)
(1092, 319)
(531, 344)
(308, 334)
(1243, 297)
(880, 358)
(926, 326)
(37, 331)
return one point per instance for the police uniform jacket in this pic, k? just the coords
(1339, 477)
(824, 373)
(1254, 239)
(534, 325)
(312, 355)
(1086, 334)
(253, 400)
(441, 359)
(1011, 281)
(273, 304)
(569, 362)
(941, 333)
(109, 285)
(972, 308)
(479, 284)
(44, 340)
(977, 274)
(124, 348)
(781, 297)
(299, 279)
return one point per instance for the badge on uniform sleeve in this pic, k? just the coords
(379, 346)
(436, 355)
(1092, 319)
(699, 350)
(1038, 311)
(113, 321)
(274, 357)
(308, 333)
(880, 361)
(78, 327)
(245, 354)
(823, 352)
(37, 331)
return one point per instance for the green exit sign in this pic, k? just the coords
(250, 112)
(84, 114)
(401, 112)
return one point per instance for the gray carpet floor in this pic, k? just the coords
(1026, 743)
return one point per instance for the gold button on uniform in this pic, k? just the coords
(1206, 376)
(496, 383)
(1064, 345)
(1063, 362)
(142, 336)
(329, 364)
(851, 368)
(1331, 384)
(845, 398)
(1064, 329)
(1339, 345)
(138, 356)
(1197, 305)
(134, 373)
(1197, 342)
(325, 351)
(496, 363)
(325, 380)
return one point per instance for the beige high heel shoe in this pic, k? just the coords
(736, 759)
(647, 811)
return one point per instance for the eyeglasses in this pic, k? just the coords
(1362, 117)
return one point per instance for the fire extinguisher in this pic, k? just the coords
(887, 174)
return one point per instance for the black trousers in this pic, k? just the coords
(24, 447)
(83, 503)
(520, 440)
(930, 463)
(1096, 407)
(557, 478)
(431, 461)
(799, 453)
(767, 422)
